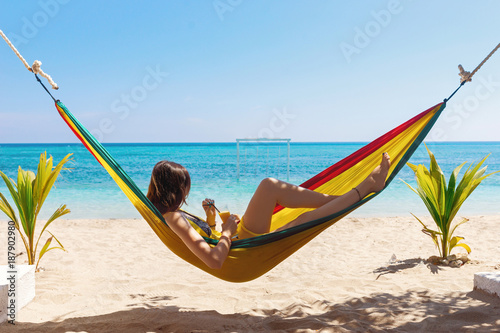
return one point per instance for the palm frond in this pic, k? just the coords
(443, 200)
(29, 194)
(57, 214)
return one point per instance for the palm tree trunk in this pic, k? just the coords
(31, 253)
(444, 243)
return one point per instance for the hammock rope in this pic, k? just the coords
(467, 76)
(36, 68)
(252, 257)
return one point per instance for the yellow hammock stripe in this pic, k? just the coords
(250, 258)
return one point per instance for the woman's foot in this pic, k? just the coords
(376, 180)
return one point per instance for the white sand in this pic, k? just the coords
(117, 276)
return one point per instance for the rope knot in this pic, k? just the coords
(37, 69)
(464, 75)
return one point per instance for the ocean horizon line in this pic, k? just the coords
(217, 172)
(228, 143)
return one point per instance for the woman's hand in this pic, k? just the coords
(209, 207)
(231, 224)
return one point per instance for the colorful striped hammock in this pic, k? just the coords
(250, 258)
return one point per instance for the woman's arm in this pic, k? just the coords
(213, 257)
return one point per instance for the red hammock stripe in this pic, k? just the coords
(346, 163)
(73, 129)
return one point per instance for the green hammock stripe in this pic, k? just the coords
(99, 148)
(271, 237)
(249, 242)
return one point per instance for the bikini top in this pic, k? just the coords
(196, 220)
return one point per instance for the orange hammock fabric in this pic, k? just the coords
(252, 257)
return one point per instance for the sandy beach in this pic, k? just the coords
(117, 276)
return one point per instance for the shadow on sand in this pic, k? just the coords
(414, 311)
(406, 264)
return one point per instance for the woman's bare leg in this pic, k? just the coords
(270, 192)
(373, 183)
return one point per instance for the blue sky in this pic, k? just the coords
(214, 71)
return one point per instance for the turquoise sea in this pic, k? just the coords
(90, 193)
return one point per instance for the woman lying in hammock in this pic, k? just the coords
(170, 185)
